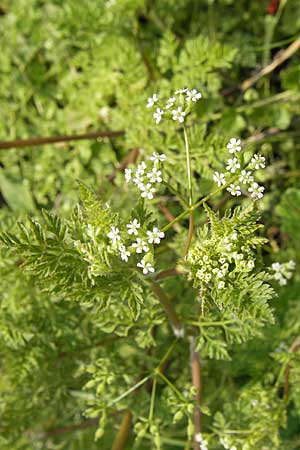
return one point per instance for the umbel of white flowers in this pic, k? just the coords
(244, 178)
(146, 179)
(126, 246)
(175, 107)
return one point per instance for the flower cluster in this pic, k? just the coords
(202, 442)
(146, 178)
(283, 271)
(244, 177)
(176, 107)
(214, 262)
(126, 246)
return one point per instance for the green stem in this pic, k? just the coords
(171, 385)
(151, 412)
(188, 166)
(133, 388)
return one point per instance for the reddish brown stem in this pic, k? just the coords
(123, 433)
(196, 381)
(31, 142)
(169, 216)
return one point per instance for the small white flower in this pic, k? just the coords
(147, 267)
(181, 91)
(193, 95)
(283, 272)
(154, 176)
(233, 165)
(158, 115)
(291, 265)
(203, 442)
(178, 114)
(147, 191)
(157, 158)
(250, 264)
(234, 190)
(256, 191)
(221, 285)
(140, 246)
(113, 235)
(128, 173)
(155, 236)
(179, 333)
(123, 252)
(219, 178)
(170, 102)
(141, 168)
(258, 162)
(139, 180)
(152, 100)
(234, 145)
(246, 177)
(133, 227)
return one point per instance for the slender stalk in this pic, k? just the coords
(152, 403)
(171, 386)
(188, 166)
(190, 188)
(122, 436)
(133, 388)
(190, 234)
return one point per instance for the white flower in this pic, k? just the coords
(234, 145)
(157, 158)
(128, 173)
(113, 235)
(256, 191)
(141, 168)
(234, 190)
(246, 177)
(170, 102)
(158, 115)
(145, 266)
(219, 178)
(140, 246)
(154, 176)
(178, 114)
(147, 191)
(203, 442)
(233, 165)
(181, 91)
(123, 252)
(179, 332)
(283, 272)
(258, 162)
(152, 100)
(193, 95)
(155, 236)
(133, 227)
(138, 180)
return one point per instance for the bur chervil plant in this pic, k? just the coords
(170, 305)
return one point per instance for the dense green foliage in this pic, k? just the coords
(87, 339)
